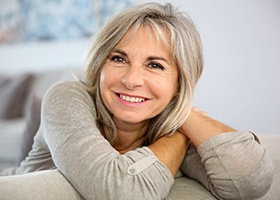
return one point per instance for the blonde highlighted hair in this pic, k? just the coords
(186, 48)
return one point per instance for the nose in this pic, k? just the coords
(133, 77)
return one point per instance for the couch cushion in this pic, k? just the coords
(10, 141)
(189, 189)
(271, 143)
(13, 93)
(44, 79)
(32, 125)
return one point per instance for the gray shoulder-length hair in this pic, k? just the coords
(185, 45)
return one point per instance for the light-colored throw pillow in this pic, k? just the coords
(13, 93)
(33, 118)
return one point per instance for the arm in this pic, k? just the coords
(89, 162)
(171, 150)
(231, 164)
(199, 127)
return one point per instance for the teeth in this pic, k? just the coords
(132, 99)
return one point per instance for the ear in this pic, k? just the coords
(176, 94)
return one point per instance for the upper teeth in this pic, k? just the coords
(132, 99)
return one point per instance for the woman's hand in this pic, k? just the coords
(199, 127)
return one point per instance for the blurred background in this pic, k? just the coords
(241, 40)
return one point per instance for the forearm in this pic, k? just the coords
(171, 150)
(231, 165)
(86, 158)
(199, 128)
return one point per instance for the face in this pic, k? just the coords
(139, 78)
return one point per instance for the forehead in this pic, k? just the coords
(148, 33)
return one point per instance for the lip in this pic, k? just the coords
(127, 103)
(129, 95)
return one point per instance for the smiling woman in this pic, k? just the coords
(140, 68)
(174, 46)
(128, 128)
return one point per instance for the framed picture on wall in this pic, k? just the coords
(29, 20)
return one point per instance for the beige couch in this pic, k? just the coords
(25, 90)
(14, 132)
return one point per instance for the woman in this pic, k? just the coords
(124, 132)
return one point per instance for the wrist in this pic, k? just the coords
(200, 127)
(171, 150)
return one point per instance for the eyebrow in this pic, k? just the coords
(150, 58)
(157, 58)
(119, 51)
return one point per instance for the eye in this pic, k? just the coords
(117, 59)
(155, 65)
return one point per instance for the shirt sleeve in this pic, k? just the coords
(231, 165)
(88, 160)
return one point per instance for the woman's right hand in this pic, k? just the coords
(199, 127)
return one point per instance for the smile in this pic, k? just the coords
(132, 99)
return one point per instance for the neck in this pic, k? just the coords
(129, 137)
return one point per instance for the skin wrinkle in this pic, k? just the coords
(70, 139)
(135, 51)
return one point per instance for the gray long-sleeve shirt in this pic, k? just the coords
(230, 165)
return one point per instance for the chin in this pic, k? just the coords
(129, 120)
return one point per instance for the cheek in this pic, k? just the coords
(102, 82)
(169, 87)
(104, 86)
(170, 90)
(109, 79)
(105, 82)
(106, 77)
(164, 89)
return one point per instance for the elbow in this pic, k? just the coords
(252, 185)
(258, 182)
(119, 179)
